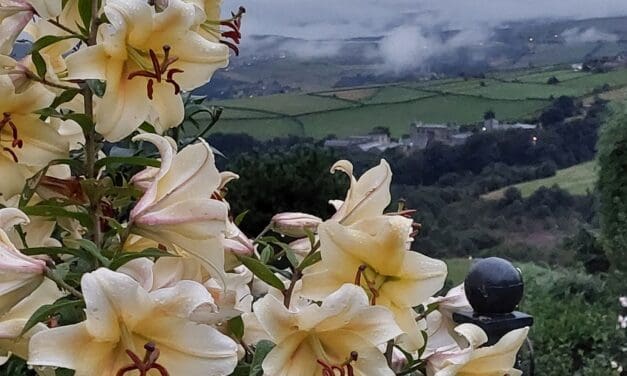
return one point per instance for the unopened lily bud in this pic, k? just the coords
(19, 274)
(399, 360)
(295, 224)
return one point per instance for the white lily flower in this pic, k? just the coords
(16, 14)
(20, 275)
(25, 140)
(178, 210)
(12, 323)
(122, 316)
(474, 360)
(373, 253)
(344, 332)
(146, 57)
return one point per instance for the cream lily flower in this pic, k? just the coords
(473, 360)
(146, 58)
(344, 331)
(52, 54)
(182, 287)
(367, 197)
(372, 252)
(27, 141)
(16, 14)
(440, 324)
(177, 209)
(12, 323)
(19, 274)
(37, 230)
(122, 316)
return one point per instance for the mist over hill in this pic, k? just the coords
(271, 64)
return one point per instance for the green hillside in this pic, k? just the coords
(577, 180)
(512, 95)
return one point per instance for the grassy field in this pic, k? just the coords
(577, 180)
(513, 96)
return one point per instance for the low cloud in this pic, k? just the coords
(577, 35)
(307, 50)
(409, 47)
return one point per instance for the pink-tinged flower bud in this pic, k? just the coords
(399, 360)
(20, 275)
(295, 224)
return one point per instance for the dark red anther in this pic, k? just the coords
(170, 79)
(16, 142)
(144, 365)
(233, 36)
(150, 89)
(160, 68)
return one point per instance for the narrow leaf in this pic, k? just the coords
(310, 260)
(134, 161)
(47, 40)
(262, 271)
(236, 327)
(46, 311)
(84, 9)
(123, 258)
(261, 351)
(40, 64)
(56, 211)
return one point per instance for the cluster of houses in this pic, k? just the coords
(421, 135)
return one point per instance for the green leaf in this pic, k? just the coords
(97, 87)
(64, 372)
(238, 220)
(40, 64)
(135, 161)
(57, 211)
(92, 249)
(242, 369)
(47, 40)
(310, 260)
(147, 127)
(236, 327)
(123, 258)
(291, 257)
(261, 351)
(83, 120)
(31, 185)
(46, 311)
(52, 251)
(65, 97)
(262, 271)
(84, 9)
(266, 254)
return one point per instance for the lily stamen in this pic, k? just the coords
(360, 272)
(160, 68)
(344, 369)
(144, 365)
(16, 141)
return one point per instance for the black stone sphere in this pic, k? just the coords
(493, 286)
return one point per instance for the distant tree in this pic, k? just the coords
(553, 80)
(612, 182)
(488, 115)
(588, 251)
(284, 179)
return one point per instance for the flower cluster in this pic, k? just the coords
(120, 254)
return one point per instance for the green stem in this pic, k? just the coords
(62, 284)
(91, 142)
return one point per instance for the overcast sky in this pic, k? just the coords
(338, 19)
